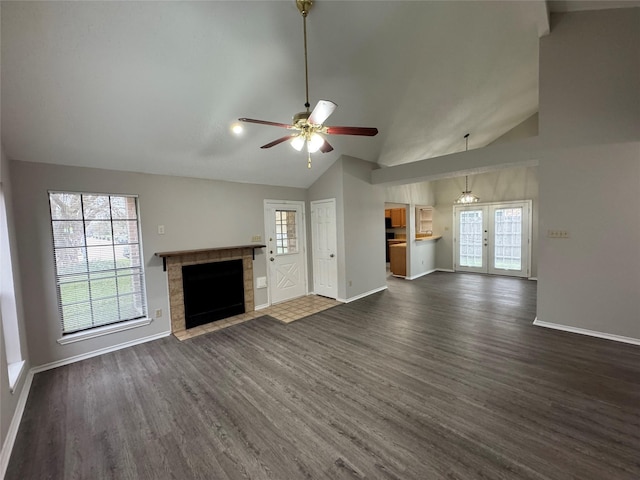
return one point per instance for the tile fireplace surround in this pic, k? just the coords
(174, 261)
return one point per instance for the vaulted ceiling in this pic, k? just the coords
(155, 86)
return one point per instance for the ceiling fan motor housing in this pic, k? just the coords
(301, 118)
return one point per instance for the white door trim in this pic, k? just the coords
(268, 205)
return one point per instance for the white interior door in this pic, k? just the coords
(324, 245)
(493, 238)
(284, 225)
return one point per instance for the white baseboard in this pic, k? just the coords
(95, 353)
(533, 278)
(261, 307)
(362, 295)
(7, 446)
(584, 331)
(421, 274)
(448, 270)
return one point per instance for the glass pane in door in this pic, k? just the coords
(286, 232)
(508, 238)
(470, 238)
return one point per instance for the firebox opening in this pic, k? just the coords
(212, 291)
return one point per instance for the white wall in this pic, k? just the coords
(196, 214)
(363, 229)
(590, 99)
(591, 280)
(526, 129)
(503, 185)
(589, 78)
(360, 225)
(9, 401)
(421, 193)
(423, 257)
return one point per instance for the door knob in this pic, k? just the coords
(332, 255)
(271, 259)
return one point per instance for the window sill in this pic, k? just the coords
(15, 372)
(106, 330)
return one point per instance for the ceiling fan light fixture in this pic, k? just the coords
(314, 143)
(298, 142)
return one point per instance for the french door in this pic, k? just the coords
(493, 238)
(287, 259)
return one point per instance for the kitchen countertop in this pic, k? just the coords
(395, 242)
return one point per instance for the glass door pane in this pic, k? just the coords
(470, 239)
(286, 232)
(507, 238)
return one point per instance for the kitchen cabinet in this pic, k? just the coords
(398, 217)
(398, 259)
(424, 220)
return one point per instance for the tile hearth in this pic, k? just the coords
(286, 312)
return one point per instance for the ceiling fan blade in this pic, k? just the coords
(264, 122)
(321, 112)
(326, 147)
(365, 131)
(278, 141)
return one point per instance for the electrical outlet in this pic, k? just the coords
(159, 313)
(160, 229)
(350, 283)
(256, 238)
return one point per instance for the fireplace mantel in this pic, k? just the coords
(181, 253)
(174, 261)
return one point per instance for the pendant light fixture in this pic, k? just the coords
(467, 196)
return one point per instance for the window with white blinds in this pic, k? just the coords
(98, 259)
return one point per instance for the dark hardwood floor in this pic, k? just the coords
(441, 377)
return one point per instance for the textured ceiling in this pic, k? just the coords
(154, 86)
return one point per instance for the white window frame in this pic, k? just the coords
(8, 309)
(69, 335)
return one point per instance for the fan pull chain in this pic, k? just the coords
(308, 159)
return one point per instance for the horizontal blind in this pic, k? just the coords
(98, 259)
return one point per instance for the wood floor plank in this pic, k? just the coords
(440, 377)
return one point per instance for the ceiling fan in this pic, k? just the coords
(309, 126)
